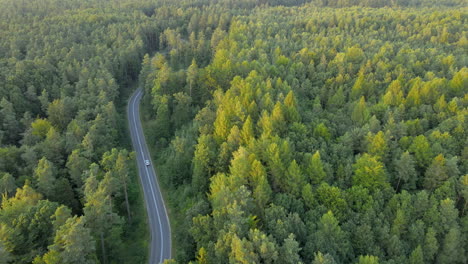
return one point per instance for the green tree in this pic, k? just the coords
(44, 100)
(377, 145)
(201, 257)
(369, 172)
(242, 251)
(394, 95)
(452, 248)
(332, 198)
(320, 258)
(464, 190)
(289, 251)
(9, 123)
(308, 195)
(368, 260)
(35, 229)
(315, 169)
(405, 171)
(7, 184)
(360, 86)
(261, 188)
(121, 169)
(6, 256)
(292, 115)
(360, 113)
(202, 164)
(192, 75)
(182, 109)
(100, 218)
(59, 113)
(60, 216)
(64, 194)
(73, 244)
(77, 165)
(295, 179)
(416, 256)
(40, 127)
(162, 124)
(264, 246)
(331, 238)
(222, 125)
(431, 245)
(247, 133)
(422, 151)
(322, 131)
(278, 118)
(53, 147)
(45, 175)
(436, 173)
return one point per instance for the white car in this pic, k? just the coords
(147, 163)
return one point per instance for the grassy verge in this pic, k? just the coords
(136, 233)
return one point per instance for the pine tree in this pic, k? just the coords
(289, 251)
(422, 151)
(73, 243)
(377, 145)
(45, 174)
(278, 119)
(60, 216)
(162, 122)
(40, 127)
(452, 248)
(315, 169)
(431, 245)
(405, 172)
(7, 184)
(201, 257)
(76, 165)
(264, 246)
(222, 125)
(261, 188)
(295, 179)
(292, 115)
(9, 122)
(394, 95)
(331, 238)
(360, 113)
(416, 256)
(5, 255)
(320, 258)
(368, 260)
(201, 164)
(192, 75)
(436, 173)
(242, 251)
(247, 133)
(121, 169)
(321, 130)
(369, 173)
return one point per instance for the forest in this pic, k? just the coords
(284, 131)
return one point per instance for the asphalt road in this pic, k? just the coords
(160, 248)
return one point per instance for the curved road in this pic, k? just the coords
(160, 248)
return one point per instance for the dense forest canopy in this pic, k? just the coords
(66, 180)
(315, 134)
(286, 131)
